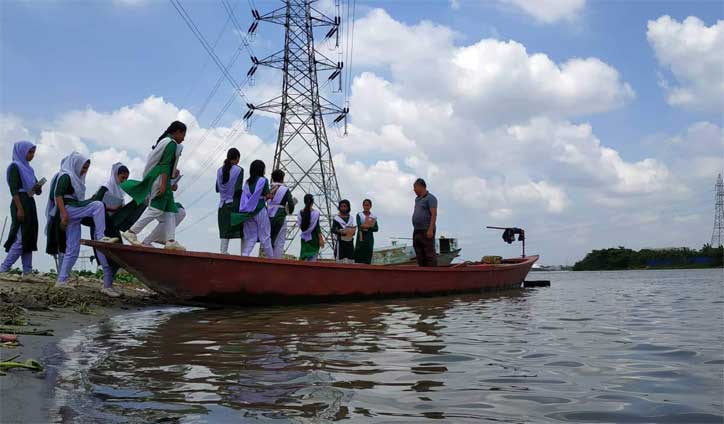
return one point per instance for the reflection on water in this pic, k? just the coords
(594, 347)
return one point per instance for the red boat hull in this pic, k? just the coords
(245, 280)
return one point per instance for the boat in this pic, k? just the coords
(402, 254)
(231, 279)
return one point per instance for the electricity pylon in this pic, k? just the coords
(717, 234)
(302, 149)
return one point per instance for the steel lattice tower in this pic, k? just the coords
(302, 148)
(717, 234)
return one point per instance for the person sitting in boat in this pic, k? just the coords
(23, 236)
(229, 185)
(311, 236)
(66, 209)
(367, 226)
(424, 219)
(161, 167)
(344, 228)
(252, 211)
(279, 206)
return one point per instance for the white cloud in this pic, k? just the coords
(580, 152)
(11, 127)
(495, 78)
(389, 187)
(126, 135)
(550, 11)
(692, 52)
(696, 154)
(498, 199)
(494, 81)
(493, 128)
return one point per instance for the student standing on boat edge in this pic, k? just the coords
(67, 207)
(161, 167)
(344, 228)
(366, 226)
(279, 206)
(311, 235)
(229, 185)
(157, 235)
(252, 211)
(424, 222)
(23, 236)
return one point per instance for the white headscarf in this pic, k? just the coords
(114, 195)
(154, 157)
(72, 166)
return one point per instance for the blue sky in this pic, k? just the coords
(57, 58)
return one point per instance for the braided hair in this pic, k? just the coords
(231, 155)
(307, 211)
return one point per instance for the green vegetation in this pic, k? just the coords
(621, 258)
(121, 277)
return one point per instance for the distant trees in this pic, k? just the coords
(622, 258)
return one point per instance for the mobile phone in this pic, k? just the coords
(41, 182)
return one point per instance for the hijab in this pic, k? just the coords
(114, 195)
(72, 166)
(20, 159)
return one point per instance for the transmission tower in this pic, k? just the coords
(717, 234)
(302, 149)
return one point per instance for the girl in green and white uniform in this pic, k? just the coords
(229, 185)
(366, 227)
(344, 227)
(311, 237)
(161, 168)
(23, 236)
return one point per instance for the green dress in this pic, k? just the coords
(239, 218)
(226, 230)
(310, 249)
(365, 242)
(276, 221)
(29, 226)
(62, 187)
(121, 219)
(140, 190)
(345, 249)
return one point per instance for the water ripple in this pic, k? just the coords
(632, 347)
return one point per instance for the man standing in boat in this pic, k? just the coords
(424, 218)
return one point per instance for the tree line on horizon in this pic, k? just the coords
(621, 258)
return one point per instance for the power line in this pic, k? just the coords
(210, 51)
(205, 44)
(239, 31)
(207, 215)
(351, 57)
(206, 63)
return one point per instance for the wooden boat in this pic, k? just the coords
(218, 278)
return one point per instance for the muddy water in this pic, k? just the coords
(634, 347)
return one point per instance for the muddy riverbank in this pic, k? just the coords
(38, 307)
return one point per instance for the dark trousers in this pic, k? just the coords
(424, 248)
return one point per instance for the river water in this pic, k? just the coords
(633, 347)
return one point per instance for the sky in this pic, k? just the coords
(591, 124)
